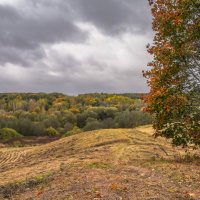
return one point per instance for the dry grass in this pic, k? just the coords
(105, 164)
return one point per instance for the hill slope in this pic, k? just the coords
(105, 164)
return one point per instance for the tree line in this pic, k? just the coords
(39, 114)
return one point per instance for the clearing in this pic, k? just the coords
(114, 164)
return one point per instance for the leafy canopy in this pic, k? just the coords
(174, 77)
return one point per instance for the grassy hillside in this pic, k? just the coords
(103, 164)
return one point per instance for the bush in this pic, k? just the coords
(124, 119)
(52, 132)
(52, 121)
(141, 118)
(68, 117)
(108, 123)
(82, 117)
(131, 119)
(8, 134)
(27, 127)
(68, 127)
(92, 124)
(104, 112)
(74, 131)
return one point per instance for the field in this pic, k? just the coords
(113, 164)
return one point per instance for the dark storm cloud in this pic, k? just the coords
(21, 32)
(8, 13)
(27, 27)
(115, 16)
(112, 16)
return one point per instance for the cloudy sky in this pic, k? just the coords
(74, 46)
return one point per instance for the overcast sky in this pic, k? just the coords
(74, 46)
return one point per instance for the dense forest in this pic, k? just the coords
(56, 114)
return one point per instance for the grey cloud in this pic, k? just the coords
(116, 16)
(31, 33)
(25, 29)
(61, 63)
(26, 32)
(99, 65)
(71, 85)
(17, 56)
(8, 13)
(74, 79)
(111, 16)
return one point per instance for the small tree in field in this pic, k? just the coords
(174, 77)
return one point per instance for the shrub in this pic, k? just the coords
(52, 121)
(27, 127)
(82, 117)
(104, 112)
(108, 123)
(68, 117)
(68, 127)
(8, 134)
(61, 131)
(52, 132)
(92, 124)
(74, 131)
(130, 119)
(124, 119)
